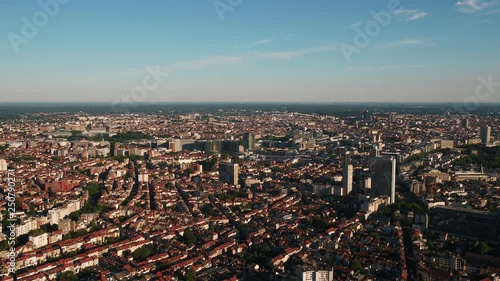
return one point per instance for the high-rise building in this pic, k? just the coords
(422, 221)
(366, 115)
(465, 123)
(347, 158)
(384, 177)
(485, 133)
(3, 165)
(230, 146)
(375, 151)
(468, 223)
(228, 173)
(347, 178)
(249, 141)
(392, 117)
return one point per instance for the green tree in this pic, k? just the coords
(189, 237)
(190, 275)
(127, 253)
(481, 248)
(68, 276)
(355, 264)
(143, 252)
(32, 211)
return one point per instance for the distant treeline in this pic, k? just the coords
(14, 110)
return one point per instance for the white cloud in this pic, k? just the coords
(404, 42)
(473, 6)
(356, 24)
(296, 53)
(260, 42)
(233, 60)
(408, 15)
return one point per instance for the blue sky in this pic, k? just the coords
(258, 50)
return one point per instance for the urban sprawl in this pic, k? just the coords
(250, 195)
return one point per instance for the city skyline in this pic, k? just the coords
(242, 140)
(250, 51)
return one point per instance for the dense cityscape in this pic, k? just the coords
(244, 194)
(249, 140)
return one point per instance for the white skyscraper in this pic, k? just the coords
(347, 179)
(384, 177)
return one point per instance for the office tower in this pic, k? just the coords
(366, 115)
(347, 158)
(228, 173)
(347, 178)
(485, 133)
(392, 117)
(422, 221)
(396, 155)
(249, 141)
(230, 146)
(465, 123)
(204, 145)
(384, 177)
(469, 223)
(375, 151)
(3, 165)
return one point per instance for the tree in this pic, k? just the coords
(190, 275)
(127, 253)
(143, 252)
(189, 237)
(68, 276)
(481, 248)
(32, 211)
(355, 264)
